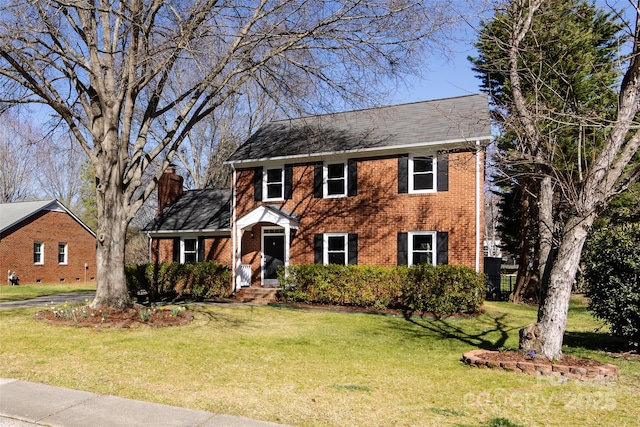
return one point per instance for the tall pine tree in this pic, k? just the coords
(567, 72)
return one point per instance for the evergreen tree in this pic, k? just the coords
(568, 60)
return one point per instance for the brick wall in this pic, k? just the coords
(376, 214)
(217, 249)
(51, 228)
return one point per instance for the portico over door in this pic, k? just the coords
(274, 251)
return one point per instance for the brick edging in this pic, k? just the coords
(605, 372)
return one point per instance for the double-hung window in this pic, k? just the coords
(62, 253)
(189, 250)
(335, 248)
(38, 253)
(335, 178)
(274, 184)
(422, 248)
(422, 174)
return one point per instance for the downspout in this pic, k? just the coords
(150, 239)
(233, 231)
(478, 183)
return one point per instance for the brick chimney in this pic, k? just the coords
(169, 187)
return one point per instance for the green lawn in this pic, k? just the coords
(22, 292)
(318, 368)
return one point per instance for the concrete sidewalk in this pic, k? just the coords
(24, 403)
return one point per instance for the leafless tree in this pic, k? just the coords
(18, 171)
(60, 161)
(216, 137)
(107, 69)
(584, 195)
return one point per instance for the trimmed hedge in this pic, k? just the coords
(361, 286)
(442, 289)
(174, 280)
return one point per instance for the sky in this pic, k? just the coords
(443, 79)
(454, 77)
(450, 75)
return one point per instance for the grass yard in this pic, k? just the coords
(22, 292)
(320, 368)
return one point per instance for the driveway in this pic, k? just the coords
(49, 300)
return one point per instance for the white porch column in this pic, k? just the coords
(287, 241)
(238, 259)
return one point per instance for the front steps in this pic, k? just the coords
(257, 296)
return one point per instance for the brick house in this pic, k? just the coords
(386, 186)
(43, 242)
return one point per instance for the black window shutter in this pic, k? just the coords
(201, 249)
(403, 174)
(257, 184)
(317, 249)
(353, 249)
(443, 172)
(317, 180)
(402, 248)
(442, 257)
(352, 177)
(288, 182)
(176, 249)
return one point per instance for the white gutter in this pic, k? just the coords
(389, 149)
(179, 233)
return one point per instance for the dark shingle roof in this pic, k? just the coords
(420, 123)
(201, 210)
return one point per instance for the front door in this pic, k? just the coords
(272, 254)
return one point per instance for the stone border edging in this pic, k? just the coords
(605, 372)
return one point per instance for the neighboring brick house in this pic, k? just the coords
(43, 242)
(383, 186)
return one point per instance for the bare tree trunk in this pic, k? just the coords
(545, 230)
(553, 314)
(526, 285)
(110, 242)
(545, 337)
(522, 279)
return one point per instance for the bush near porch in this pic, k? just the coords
(206, 279)
(442, 289)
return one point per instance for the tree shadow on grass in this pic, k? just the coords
(205, 313)
(597, 341)
(451, 329)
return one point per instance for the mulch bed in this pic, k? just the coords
(109, 317)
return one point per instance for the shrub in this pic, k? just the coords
(173, 280)
(441, 289)
(444, 289)
(612, 277)
(361, 286)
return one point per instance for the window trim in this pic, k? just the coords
(325, 180)
(64, 245)
(183, 252)
(411, 174)
(434, 246)
(325, 247)
(265, 184)
(41, 253)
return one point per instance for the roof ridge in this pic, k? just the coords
(374, 108)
